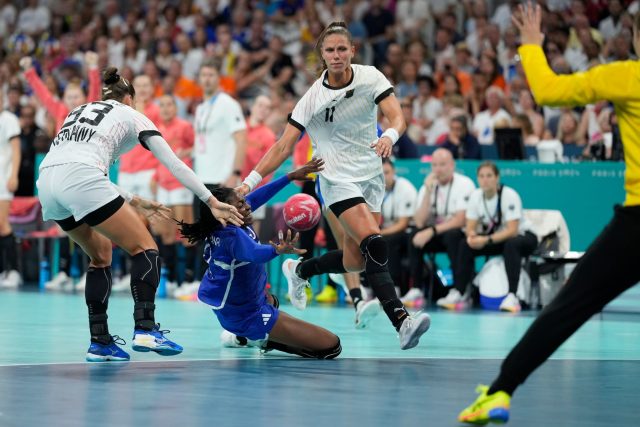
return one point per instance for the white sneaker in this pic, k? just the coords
(82, 283)
(510, 303)
(412, 329)
(61, 282)
(451, 300)
(171, 289)
(412, 295)
(230, 340)
(367, 311)
(10, 279)
(122, 285)
(297, 286)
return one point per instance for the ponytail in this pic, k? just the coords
(115, 87)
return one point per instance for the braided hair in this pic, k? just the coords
(207, 223)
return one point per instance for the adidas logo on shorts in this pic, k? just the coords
(265, 318)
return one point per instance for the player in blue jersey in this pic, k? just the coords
(234, 284)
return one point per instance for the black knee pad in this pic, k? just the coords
(330, 353)
(375, 253)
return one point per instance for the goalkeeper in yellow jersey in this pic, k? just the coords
(610, 265)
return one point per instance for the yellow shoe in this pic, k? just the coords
(493, 408)
(329, 295)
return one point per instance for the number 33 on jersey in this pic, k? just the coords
(98, 133)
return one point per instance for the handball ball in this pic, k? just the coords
(301, 212)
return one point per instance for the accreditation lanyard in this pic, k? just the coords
(446, 203)
(201, 125)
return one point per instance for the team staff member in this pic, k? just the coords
(610, 265)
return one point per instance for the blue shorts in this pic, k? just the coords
(253, 325)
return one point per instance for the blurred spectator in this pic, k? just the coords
(568, 128)
(611, 25)
(485, 121)
(426, 107)
(460, 142)
(379, 24)
(34, 18)
(522, 122)
(407, 85)
(32, 140)
(259, 140)
(73, 94)
(405, 147)
(170, 192)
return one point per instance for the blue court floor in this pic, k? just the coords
(591, 381)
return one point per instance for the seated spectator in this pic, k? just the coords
(495, 225)
(460, 142)
(439, 218)
(522, 122)
(568, 128)
(484, 122)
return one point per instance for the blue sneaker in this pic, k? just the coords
(155, 340)
(107, 352)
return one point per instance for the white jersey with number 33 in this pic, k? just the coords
(341, 122)
(97, 134)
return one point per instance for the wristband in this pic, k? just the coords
(392, 134)
(489, 240)
(435, 231)
(252, 180)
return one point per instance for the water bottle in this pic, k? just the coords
(45, 274)
(162, 286)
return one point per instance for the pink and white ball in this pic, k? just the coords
(301, 212)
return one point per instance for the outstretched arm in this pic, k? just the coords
(244, 248)
(263, 194)
(276, 155)
(161, 150)
(54, 107)
(616, 82)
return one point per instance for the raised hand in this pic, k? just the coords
(26, 63)
(301, 174)
(528, 22)
(224, 212)
(287, 246)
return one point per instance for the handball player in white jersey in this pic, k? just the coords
(75, 191)
(339, 112)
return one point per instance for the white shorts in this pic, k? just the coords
(137, 183)
(4, 179)
(74, 190)
(372, 190)
(179, 196)
(260, 213)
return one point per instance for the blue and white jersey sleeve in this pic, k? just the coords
(262, 195)
(244, 249)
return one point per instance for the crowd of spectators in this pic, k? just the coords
(454, 64)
